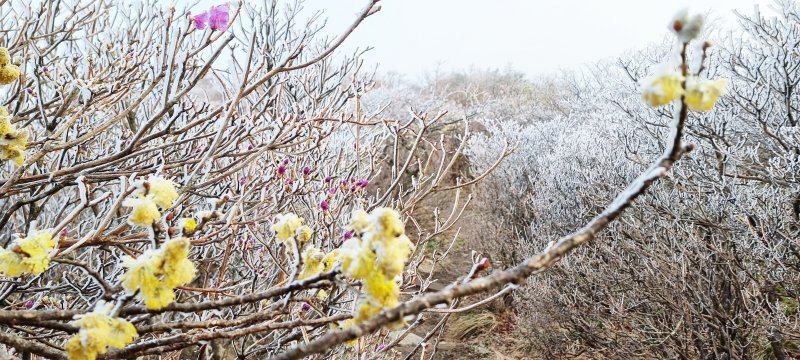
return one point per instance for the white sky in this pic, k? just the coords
(534, 36)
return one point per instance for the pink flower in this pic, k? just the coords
(200, 20)
(219, 17)
(324, 205)
(306, 170)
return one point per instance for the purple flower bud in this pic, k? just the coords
(64, 232)
(29, 304)
(348, 235)
(250, 147)
(305, 307)
(332, 191)
(281, 170)
(352, 179)
(381, 347)
(353, 188)
(328, 179)
(324, 205)
(306, 170)
(363, 183)
(286, 161)
(220, 15)
(242, 180)
(199, 20)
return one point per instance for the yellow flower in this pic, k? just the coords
(701, 95)
(360, 221)
(286, 226)
(376, 258)
(357, 259)
(367, 308)
(13, 153)
(8, 71)
(11, 264)
(330, 260)
(178, 269)
(304, 234)
(98, 331)
(156, 272)
(382, 289)
(163, 191)
(387, 222)
(144, 210)
(393, 253)
(662, 88)
(312, 262)
(187, 225)
(29, 255)
(5, 122)
(322, 294)
(12, 141)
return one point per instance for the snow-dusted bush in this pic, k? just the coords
(180, 180)
(707, 265)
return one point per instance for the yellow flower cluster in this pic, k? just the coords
(13, 141)
(156, 192)
(98, 331)
(8, 71)
(663, 88)
(29, 255)
(157, 272)
(701, 95)
(668, 83)
(376, 255)
(163, 191)
(290, 226)
(316, 261)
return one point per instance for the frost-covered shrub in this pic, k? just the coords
(707, 265)
(152, 156)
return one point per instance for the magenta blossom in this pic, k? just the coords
(324, 205)
(305, 307)
(200, 20)
(281, 170)
(363, 183)
(328, 179)
(220, 15)
(348, 235)
(306, 170)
